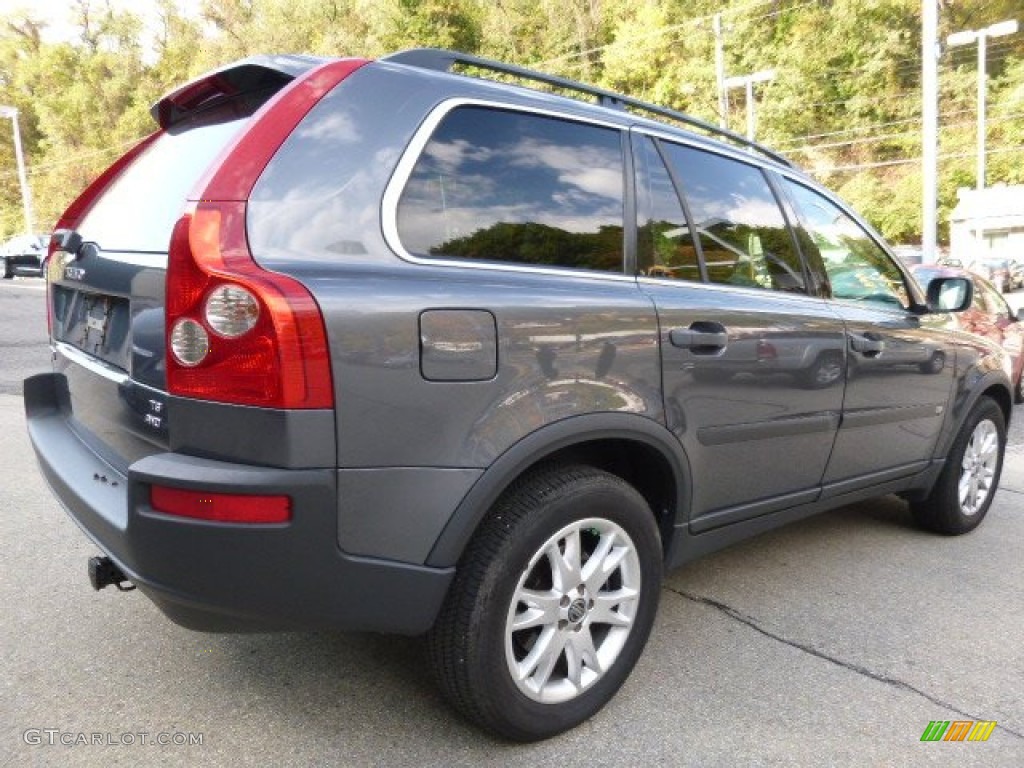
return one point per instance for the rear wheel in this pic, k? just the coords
(935, 363)
(964, 491)
(552, 604)
(826, 371)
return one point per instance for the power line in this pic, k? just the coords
(689, 24)
(911, 161)
(787, 145)
(38, 168)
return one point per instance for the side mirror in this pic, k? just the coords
(950, 294)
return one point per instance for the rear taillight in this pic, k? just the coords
(766, 350)
(220, 507)
(236, 332)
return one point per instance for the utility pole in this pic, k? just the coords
(26, 194)
(929, 127)
(723, 102)
(747, 82)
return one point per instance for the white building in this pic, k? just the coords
(987, 222)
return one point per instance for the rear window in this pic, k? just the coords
(138, 211)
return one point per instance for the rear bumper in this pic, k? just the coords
(226, 577)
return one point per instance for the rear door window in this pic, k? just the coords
(499, 186)
(743, 235)
(665, 243)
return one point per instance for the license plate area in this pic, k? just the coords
(95, 323)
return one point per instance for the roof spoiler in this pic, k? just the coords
(252, 75)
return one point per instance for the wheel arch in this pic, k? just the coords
(638, 449)
(994, 385)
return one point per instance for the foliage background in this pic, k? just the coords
(845, 103)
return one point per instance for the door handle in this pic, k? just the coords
(700, 337)
(867, 345)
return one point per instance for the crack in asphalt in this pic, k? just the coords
(749, 621)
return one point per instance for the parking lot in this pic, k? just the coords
(831, 642)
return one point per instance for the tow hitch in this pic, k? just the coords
(103, 573)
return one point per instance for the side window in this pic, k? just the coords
(993, 301)
(665, 246)
(501, 186)
(743, 234)
(857, 267)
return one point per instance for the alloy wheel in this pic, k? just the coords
(978, 469)
(572, 610)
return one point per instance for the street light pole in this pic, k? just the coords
(26, 194)
(747, 82)
(981, 36)
(929, 127)
(966, 38)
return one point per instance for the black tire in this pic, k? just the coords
(935, 364)
(474, 645)
(964, 491)
(6, 270)
(826, 370)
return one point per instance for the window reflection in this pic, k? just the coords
(665, 245)
(743, 235)
(499, 186)
(857, 268)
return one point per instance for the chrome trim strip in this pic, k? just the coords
(100, 368)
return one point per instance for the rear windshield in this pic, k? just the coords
(138, 211)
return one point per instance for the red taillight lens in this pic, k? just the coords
(281, 360)
(273, 354)
(220, 507)
(766, 350)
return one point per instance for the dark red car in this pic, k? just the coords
(989, 316)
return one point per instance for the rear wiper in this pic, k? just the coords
(67, 240)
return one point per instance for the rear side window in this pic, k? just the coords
(138, 211)
(743, 234)
(501, 186)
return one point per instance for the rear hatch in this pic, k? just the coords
(107, 286)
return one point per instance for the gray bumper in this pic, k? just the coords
(218, 576)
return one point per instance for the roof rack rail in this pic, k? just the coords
(443, 61)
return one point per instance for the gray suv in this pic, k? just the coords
(395, 346)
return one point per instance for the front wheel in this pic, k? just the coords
(964, 491)
(552, 603)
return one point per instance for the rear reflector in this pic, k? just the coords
(221, 507)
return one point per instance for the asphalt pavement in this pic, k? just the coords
(830, 642)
